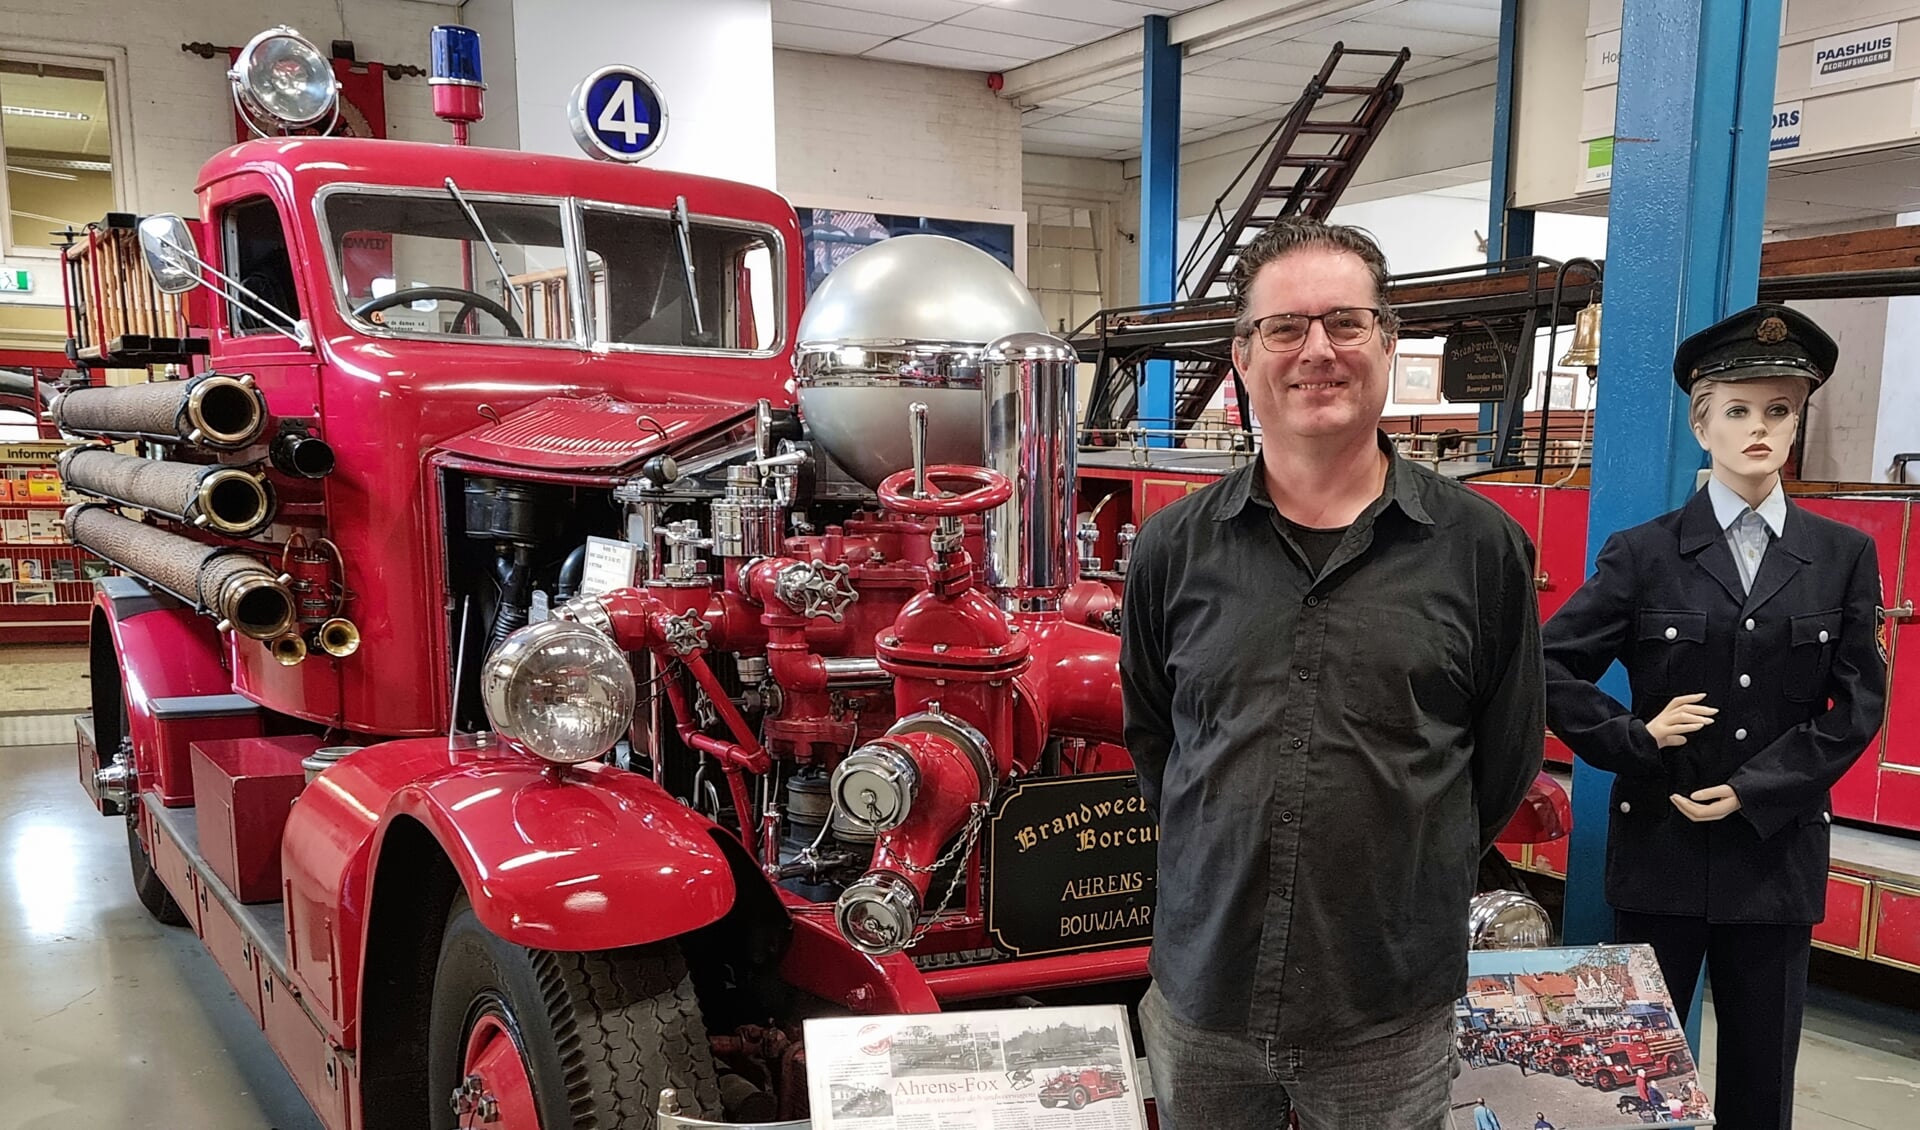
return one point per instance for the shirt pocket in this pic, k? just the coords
(1405, 667)
(1668, 649)
(1810, 656)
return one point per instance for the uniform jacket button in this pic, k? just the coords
(1739, 735)
(1823, 635)
(1749, 625)
(1625, 807)
(1746, 680)
(1673, 633)
(1827, 816)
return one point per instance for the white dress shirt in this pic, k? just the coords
(1749, 531)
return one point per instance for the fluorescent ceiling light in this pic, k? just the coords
(37, 112)
(40, 173)
(70, 164)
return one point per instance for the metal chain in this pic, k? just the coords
(976, 817)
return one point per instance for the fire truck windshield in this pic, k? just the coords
(407, 263)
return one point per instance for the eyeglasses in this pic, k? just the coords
(1347, 326)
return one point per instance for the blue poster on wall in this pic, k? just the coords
(828, 236)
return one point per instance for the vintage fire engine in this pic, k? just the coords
(658, 684)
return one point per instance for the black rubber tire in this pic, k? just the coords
(1078, 1100)
(153, 893)
(601, 1033)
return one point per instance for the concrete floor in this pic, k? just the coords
(109, 1019)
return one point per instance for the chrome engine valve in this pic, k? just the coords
(746, 523)
(1128, 533)
(1087, 534)
(875, 785)
(684, 566)
(877, 913)
(816, 590)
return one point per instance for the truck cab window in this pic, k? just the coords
(640, 287)
(257, 253)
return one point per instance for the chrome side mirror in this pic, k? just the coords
(172, 257)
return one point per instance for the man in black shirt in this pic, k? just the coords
(1332, 674)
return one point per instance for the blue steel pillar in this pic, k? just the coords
(1683, 250)
(1509, 230)
(1159, 206)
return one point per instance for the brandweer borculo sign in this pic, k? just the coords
(1855, 54)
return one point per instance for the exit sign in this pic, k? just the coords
(15, 279)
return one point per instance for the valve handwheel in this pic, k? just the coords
(988, 489)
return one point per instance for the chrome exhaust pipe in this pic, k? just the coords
(211, 410)
(1028, 420)
(224, 500)
(240, 592)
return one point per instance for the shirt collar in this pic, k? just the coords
(1249, 485)
(1728, 506)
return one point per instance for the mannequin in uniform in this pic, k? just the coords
(1747, 629)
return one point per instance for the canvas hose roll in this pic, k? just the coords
(211, 410)
(243, 594)
(226, 500)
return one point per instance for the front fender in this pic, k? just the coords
(603, 860)
(159, 648)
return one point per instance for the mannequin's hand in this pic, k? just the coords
(1709, 804)
(1682, 716)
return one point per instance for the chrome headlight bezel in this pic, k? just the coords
(1507, 920)
(259, 75)
(559, 690)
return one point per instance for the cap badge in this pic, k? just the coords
(1772, 331)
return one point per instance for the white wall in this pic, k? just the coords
(867, 129)
(1841, 419)
(493, 19)
(711, 60)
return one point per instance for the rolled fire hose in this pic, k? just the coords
(226, 500)
(243, 594)
(211, 410)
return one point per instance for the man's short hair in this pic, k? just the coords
(1291, 233)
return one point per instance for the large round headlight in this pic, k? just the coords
(282, 80)
(562, 690)
(1507, 920)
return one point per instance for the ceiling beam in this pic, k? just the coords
(1209, 28)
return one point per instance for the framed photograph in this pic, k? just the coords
(6, 570)
(29, 569)
(33, 594)
(1416, 380)
(831, 230)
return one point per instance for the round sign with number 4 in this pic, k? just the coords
(617, 114)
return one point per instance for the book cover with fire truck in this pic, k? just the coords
(1581, 1038)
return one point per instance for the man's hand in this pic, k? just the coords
(1682, 716)
(1706, 805)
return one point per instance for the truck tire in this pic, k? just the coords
(1078, 1100)
(576, 1041)
(153, 893)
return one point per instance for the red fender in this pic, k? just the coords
(602, 860)
(165, 650)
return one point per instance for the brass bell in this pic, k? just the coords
(1585, 350)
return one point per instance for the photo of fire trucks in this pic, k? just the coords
(1075, 1089)
(944, 1049)
(861, 1100)
(1577, 1038)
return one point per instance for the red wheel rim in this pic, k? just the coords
(493, 1055)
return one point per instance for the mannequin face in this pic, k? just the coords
(1748, 426)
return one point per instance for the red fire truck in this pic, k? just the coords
(531, 675)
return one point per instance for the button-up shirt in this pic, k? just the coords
(1329, 751)
(1749, 531)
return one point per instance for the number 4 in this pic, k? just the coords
(618, 116)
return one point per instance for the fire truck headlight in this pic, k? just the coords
(876, 914)
(1507, 920)
(281, 78)
(562, 690)
(875, 785)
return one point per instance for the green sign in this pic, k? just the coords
(1599, 163)
(15, 279)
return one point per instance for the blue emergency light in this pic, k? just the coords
(456, 55)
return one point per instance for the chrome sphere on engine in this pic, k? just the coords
(906, 319)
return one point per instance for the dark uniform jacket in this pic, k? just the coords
(1795, 669)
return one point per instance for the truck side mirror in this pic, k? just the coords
(172, 257)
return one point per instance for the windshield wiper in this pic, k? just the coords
(506, 284)
(683, 235)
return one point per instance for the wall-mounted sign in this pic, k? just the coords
(1596, 163)
(1854, 54)
(14, 280)
(1603, 58)
(617, 114)
(1473, 368)
(1070, 865)
(1786, 128)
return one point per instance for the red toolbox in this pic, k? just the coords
(242, 789)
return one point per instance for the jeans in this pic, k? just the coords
(1204, 1080)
